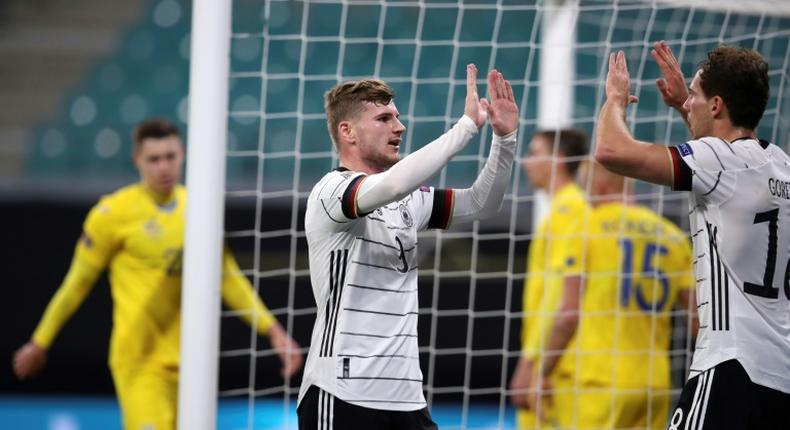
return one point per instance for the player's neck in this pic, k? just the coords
(159, 196)
(728, 132)
(558, 182)
(357, 165)
(611, 195)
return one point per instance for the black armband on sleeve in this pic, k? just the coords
(681, 172)
(349, 200)
(442, 211)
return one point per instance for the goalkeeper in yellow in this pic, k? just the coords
(137, 233)
(551, 166)
(630, 268)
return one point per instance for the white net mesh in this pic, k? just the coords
(285, 54)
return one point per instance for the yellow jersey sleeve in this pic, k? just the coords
(99, 238)
(548, 261)
(93, 251)
(569, 258)
(532, 297)
(72, 292)
(239, 295)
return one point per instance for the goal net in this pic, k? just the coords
(286, 54)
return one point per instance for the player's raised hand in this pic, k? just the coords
(502, 109)
(474, 107)
(287, 349)
(29, 360)
(618, 80)
(672, 85)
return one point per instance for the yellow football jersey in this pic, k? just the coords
(634, 263)
(546, 263)
(140, 241)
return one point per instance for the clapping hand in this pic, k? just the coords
(502, 109)
(618, 81)
(671, 85)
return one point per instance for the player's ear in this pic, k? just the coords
(346, 132)
(717, 106)
(181, 150)
(136, 155)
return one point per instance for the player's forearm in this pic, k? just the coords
(72, 292)
(613, 139)
(618, 151)
(239, 296)
(415, 169)
(565, 323)
(487, 193)
(566, 320)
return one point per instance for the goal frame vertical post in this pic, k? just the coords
(556, 75)
(207, 135)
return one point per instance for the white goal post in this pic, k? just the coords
(207, 134)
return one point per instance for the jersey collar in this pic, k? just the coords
(762, 142)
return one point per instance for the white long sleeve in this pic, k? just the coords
(486, 195)
(415, 169)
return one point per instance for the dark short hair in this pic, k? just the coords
(344, 101)
(154, 128)
(573, 143)
(740, 77)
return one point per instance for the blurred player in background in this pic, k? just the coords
(554, 173)
(137, 233)
(629, 267)
(363, 369)
(739, 207)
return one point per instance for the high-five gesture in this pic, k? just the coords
(474, 108)
(672, 85)
(618, 81)
(502, 109)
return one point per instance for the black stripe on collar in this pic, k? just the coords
(763, 143)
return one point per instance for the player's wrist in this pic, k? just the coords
(467, 124)
(505, 136)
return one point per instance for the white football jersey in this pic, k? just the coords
(363, 269)
(739, 208)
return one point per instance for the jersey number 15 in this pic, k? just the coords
(631, 278)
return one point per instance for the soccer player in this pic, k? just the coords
(138, 233)
(543, 285)
(739, 207)
(361, 222)
(628, 267)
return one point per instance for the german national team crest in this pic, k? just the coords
(405, 215)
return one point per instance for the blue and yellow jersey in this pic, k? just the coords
(546, 263)
(634, 263)
(140, 242)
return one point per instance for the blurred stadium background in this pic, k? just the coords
(78, 75)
